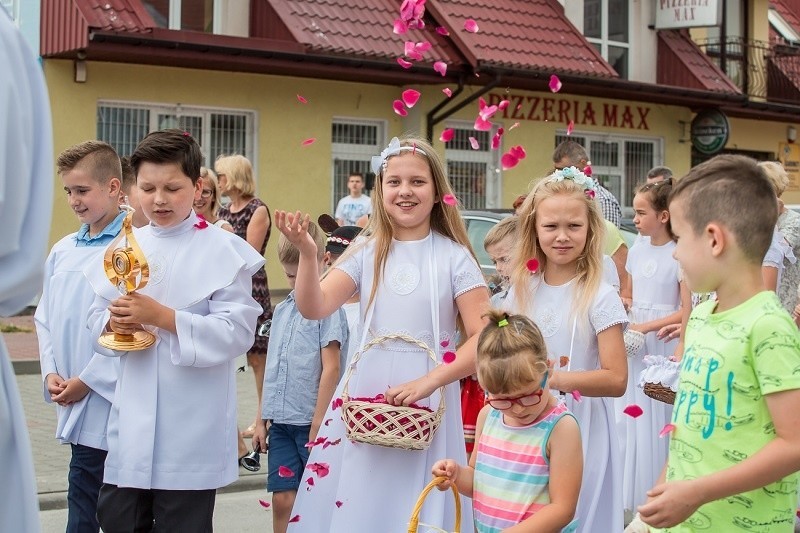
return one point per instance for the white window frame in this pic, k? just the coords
(604, 41)
(782, 27)
(174, 17)
(355, 152)
(155, 108)
(493, 192)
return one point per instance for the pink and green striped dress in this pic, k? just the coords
(512, 472)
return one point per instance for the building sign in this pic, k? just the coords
(563, 109)
(710, 131)
(671, 14)
(789, 156)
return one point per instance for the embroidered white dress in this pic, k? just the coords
(655, 277)
(373, 488)
(600, 501)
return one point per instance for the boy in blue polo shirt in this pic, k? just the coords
(304, 363)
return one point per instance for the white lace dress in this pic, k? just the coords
(372, 488)
(600, 501)
(655, 276)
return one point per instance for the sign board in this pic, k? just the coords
(789, 156)
(710, 131)
(673, 14)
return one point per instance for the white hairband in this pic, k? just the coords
(394, 148)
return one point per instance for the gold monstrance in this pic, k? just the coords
(126, 267)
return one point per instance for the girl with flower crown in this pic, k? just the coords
(557, 281)
(416, 274)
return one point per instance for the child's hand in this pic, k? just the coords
(295, 228)
(74, 391)
(410, 392)
(669, 332)
(260, 437)
(54, 384)
(627, 303)
(637, 327)
(446, 468)
(130, 311)
(670, 504)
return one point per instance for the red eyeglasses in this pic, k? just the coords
(527, 400)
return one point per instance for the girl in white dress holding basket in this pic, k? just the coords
(416, 275)
(557, 282)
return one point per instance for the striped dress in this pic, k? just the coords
(512, 472)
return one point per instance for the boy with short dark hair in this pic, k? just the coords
(129, 195)
(304, 363)
(79, 381)
(735, 447)
(356, 204)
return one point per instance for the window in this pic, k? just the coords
(606, 26)
(620, 164)
(124, 124)
(193, 15)
(473, 173)
(354, 143)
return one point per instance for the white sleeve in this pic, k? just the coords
(41, 319)
(607, 309)
(351, 265)
(466, 273)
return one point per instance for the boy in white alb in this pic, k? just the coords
(79, 381)
(355, 205)
(172, 431)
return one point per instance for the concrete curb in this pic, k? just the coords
(49, 501)
(27, 366)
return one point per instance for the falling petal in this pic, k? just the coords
(320, 469)
(481, 124)
(331, 443)
(337, 403)
(440, 67)
(482, 103)
(310, 481)
(422, 47)
(474, 143)
(339, 503)
(410, 52)
(309, 141)
(447, 135)
(518, 152)
(570, 127)
(633, 411)
(441, 30)
(555, 83)
(285, 471)
(295, 518)
(265, 505)
(328, 421)
(503, 104)
(666, 430)
(448, 357)
(410, 97)
(508, 161)
(449, 199)
(447, 92)
(576, 395)
(589, 193)
(587, 170)
(301, 99)
(514, 125)
(403, 63)
(399, 108)
(400, 27)
(471, 26)
(445, 343)
(532, 264)
(496, 139)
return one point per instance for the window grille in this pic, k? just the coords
(354, 142)
(473, 174)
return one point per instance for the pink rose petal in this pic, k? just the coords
(508, 161)
(570, 127)
(331, 443)
(445, 343)
(400, 27)
(576, 395)
(320, 469)
(518, 152)
(471, 26)
(411, 52)
(309, 141)
(487, 112)
(633, 411)
(301, 99)
(666, 430)
(265, 505)
(295, 518)
(410, 97)
(496, 139)
(440, 67)
(449, 199)
(481, 124)
(337, 403)
(532, 264)
(555, 83)
(587, 170)
(474, 143)
(447, 135)
(422, 47)
(285, 471)
(339, 503)
(403, 63)
(448, 357)
(310, 481)
(399, 108)
(589, 193)
(441, 30)
(503, 104)
(447, 92)
(328, 421)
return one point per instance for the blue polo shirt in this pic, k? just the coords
(103, 238)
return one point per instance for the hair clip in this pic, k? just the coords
(575, 175)
(502, 323)
(378, 163)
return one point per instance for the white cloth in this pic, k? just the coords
(173, 422)
(610, 274)
(66, 346)
(352, 314)
(655, 279)
(350, 209)
(600, 501)
(378, 486)
(26, 199)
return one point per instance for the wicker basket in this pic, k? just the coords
(659, 392)
(414, 524)
(395, 426)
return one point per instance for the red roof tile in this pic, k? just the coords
(681, 63)
(115, 15)
(789, 10)
(521, 34)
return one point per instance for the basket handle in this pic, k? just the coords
(414, 522)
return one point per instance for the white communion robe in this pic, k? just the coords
(26, 200)
(173, 422)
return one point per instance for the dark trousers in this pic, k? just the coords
(85, 479)
(126, 510)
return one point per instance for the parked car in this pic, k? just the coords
(478, 225)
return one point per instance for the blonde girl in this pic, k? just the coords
(207, 205)
(415, 274)
(557, 282)
(525, 473)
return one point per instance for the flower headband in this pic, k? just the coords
(575, 175)
(394, 148)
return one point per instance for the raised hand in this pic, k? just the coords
(294, 226)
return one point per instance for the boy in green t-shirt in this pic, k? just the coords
(736, 444)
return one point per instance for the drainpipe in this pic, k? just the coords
(431, 119)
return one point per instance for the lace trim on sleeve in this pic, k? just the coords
(466, 281)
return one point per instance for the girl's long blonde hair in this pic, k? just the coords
(590, 261)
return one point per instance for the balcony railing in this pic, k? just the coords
(759, 68)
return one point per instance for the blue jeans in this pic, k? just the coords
(287, 447)
(85, 478)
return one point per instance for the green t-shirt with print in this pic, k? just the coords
(732, 359)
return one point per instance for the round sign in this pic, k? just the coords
(710, 131)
